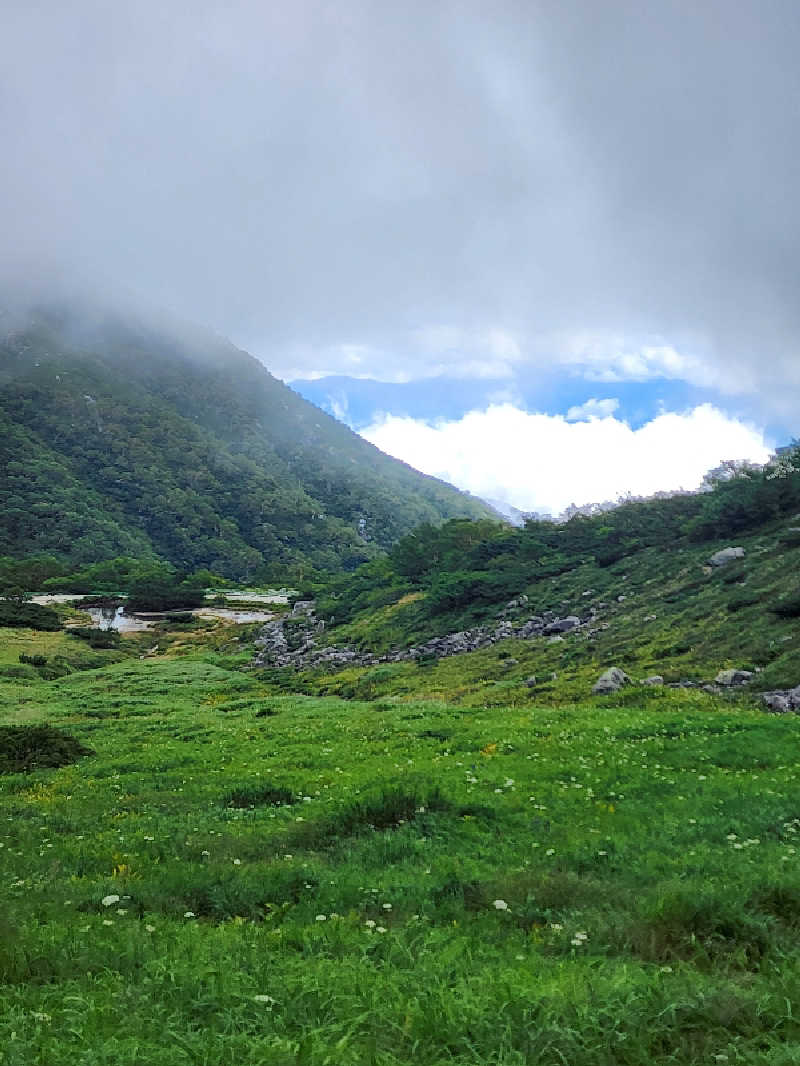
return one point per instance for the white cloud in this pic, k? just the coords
(539, 462)
(592, 409)
(601, 356)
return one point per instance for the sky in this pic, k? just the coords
(545, 250)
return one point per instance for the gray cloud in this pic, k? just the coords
(314, 178)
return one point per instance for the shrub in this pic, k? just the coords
(788, 608)
(162, 591)
(33, 747)
(28, 616)
(738, 603)
(33, 660)
(96, 638)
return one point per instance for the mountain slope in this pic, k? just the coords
(499, 615)
(121, 436)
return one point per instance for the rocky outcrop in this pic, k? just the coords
(293, 640)
(782, 701)
(611, 681)
(725, 556)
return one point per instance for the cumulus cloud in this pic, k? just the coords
(540, 462)
(593, 408)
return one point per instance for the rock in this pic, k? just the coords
(650, 618)
(562, 625)
(782, 702)
(729, 678)
(656, 679)
(555, 640)
(303, 607)
(725, 556)
(531, 681)
(611, 681)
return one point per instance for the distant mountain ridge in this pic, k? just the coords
(126, 435)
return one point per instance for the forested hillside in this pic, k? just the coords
(120, 437)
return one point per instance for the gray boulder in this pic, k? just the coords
(611, 681)
(562, 625)
(725, 556)
(730, 678)
(782, 702)
(656, 679)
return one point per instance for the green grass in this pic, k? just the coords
(315, 880)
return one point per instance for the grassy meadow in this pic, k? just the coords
(241, 875)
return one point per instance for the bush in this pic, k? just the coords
(738, 603)
(28, 616)
(96, 638)
(33, 660)
(163, 591)
(788, 608)
(34, 747)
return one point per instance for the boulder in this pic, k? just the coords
(729, 678)
(611, 681)
(562, 625)
(782, 702)
(656, 679)
(725, 556)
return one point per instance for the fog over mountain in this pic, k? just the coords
(398, 192)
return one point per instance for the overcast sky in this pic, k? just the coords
(506, 194)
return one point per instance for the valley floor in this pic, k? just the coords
(242, 876)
